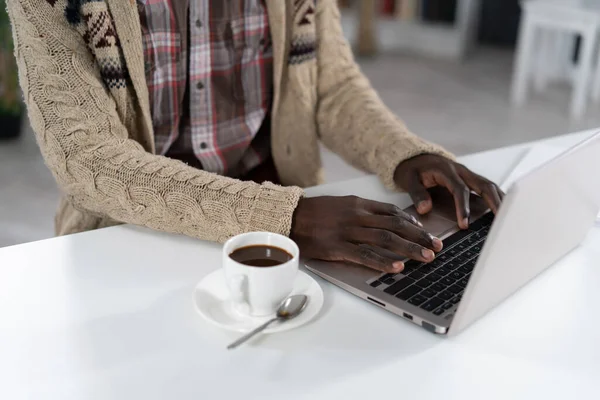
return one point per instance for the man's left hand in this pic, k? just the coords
(420, 173)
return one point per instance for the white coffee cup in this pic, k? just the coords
(258, 291)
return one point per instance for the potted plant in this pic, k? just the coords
(11, 106)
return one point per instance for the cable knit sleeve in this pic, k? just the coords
(86, 146)
(353, 121)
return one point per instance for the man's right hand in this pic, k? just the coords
(334, 228)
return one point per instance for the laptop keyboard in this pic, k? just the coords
(438, 286)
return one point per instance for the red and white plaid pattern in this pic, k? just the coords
(209, 75)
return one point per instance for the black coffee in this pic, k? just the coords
(261, 256)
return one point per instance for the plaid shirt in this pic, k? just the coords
(209, 75)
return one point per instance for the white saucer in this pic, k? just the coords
(211, 298)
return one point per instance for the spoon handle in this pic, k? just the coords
(249, 335)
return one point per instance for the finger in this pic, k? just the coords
(492, 197)
(419, 194)
(484, 188)
(379, 208)
(461, 193)
(404, 229)
(387, 240)
(366, 257)
(489, 193)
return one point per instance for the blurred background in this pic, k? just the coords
(446, 67)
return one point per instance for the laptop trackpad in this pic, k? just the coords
(443, 217)
(433, 222)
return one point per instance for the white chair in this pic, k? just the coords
(596, 82)
(546, 43)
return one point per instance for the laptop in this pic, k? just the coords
(545, 215)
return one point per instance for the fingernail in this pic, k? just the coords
(398, 266)
(422, 206)
(427, 254)
(437, 243)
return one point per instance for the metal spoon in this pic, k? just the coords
(290, 308)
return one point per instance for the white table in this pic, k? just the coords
(109, 315)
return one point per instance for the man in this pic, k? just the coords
(149, 112)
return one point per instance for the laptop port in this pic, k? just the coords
(376, 302)
(407, 316)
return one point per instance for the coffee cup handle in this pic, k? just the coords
(238, 285)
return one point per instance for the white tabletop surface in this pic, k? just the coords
(109, 315)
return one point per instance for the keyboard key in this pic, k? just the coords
(434, 277)
(417, 275)
(456, 299)
(447, 281)
(453, 251)
(432, 304)
(428, 293)
(476, 249)
(386, 276)
(456, 275)
(443, 257)
(463, 282)
(424, 283)
(455, 238)
(472, 239)
(439, 311)
(417, 300)
(411, 266)
(477, 225)
(465, 269)
(480, 237)
(412, 263)
(447, 305)
(389, 281)
(426, 269)
(442, 271)
(456, 289)
(452, 265)
(460, 260)
(438, 287)
(408, 293)
(400, 285)
(436, 263)
(375, 283)
(446, 295)
(485, 221)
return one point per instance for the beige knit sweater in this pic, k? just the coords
(82, 73)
